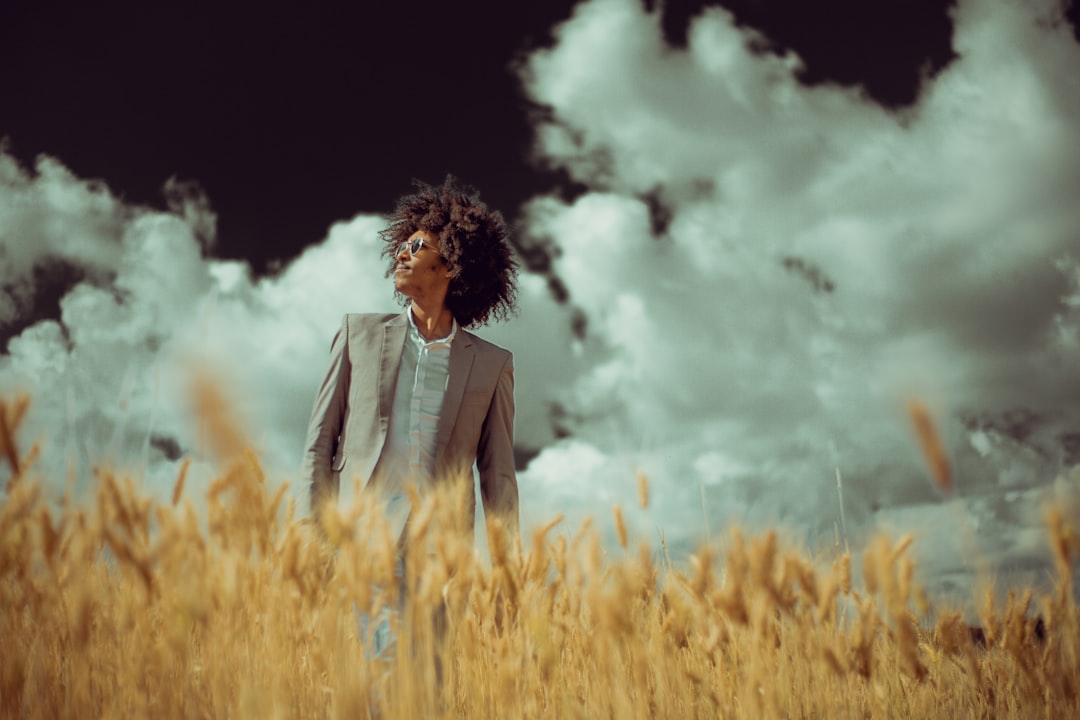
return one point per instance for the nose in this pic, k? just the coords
(403, 250)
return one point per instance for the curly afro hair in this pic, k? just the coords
(474, 243)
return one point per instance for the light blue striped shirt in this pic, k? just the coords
(408, 457)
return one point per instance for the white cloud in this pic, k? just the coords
(824, 260)
(48, 218)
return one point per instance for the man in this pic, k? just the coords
(414, 398)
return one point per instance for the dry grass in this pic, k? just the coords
(129, 608)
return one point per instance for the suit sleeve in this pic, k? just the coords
(327, 422)
(495, 452)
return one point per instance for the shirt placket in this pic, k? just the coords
(415, 406)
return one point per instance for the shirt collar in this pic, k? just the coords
(417, 337)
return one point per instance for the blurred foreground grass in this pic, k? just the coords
(125, 607)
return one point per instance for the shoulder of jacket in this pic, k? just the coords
(487, 346)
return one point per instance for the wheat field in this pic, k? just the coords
(230, 605)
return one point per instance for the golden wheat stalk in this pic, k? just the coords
(933, 450)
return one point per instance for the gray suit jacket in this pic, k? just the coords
(352, 413)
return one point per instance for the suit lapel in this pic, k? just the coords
(389, 362)
(462, 353)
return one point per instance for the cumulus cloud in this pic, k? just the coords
(819, 261)
(47, 222)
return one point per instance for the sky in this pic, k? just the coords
(752, 235)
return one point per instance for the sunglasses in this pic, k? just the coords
(414, 246)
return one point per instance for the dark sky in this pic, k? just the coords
(294, 115)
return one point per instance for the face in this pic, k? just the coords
(423, 274)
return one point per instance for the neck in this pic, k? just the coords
(432, 322)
